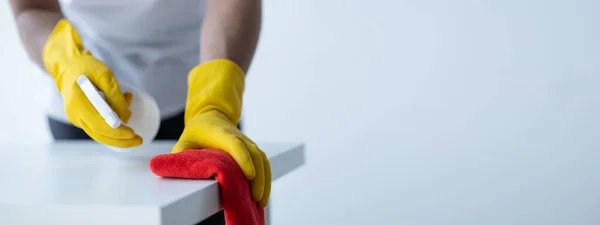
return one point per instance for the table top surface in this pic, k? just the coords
(89, 173)
(84, 173)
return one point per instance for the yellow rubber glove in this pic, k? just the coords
(65, 59)
(213, 109)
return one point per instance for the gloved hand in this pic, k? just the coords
(213, 109)
(65, 59)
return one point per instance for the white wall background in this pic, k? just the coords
(365, 82)
(22, 89)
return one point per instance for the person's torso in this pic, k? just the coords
(149, 44)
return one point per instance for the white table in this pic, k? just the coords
(85, 183)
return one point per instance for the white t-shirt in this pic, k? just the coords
(149, 44)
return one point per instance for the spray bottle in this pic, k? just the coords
(145, 114)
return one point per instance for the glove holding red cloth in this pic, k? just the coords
(236, 199)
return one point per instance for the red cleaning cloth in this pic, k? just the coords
(236, 200)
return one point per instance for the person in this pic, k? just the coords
(191, 56)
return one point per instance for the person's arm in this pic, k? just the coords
(230, 31)
(35, 20)
(215, 89)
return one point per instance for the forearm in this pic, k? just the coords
(231, 30)
(35, 21)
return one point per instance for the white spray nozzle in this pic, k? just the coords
(97, 99)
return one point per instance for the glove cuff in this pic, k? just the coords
(215, 85)
(62, 45)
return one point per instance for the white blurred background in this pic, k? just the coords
(368, 83)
